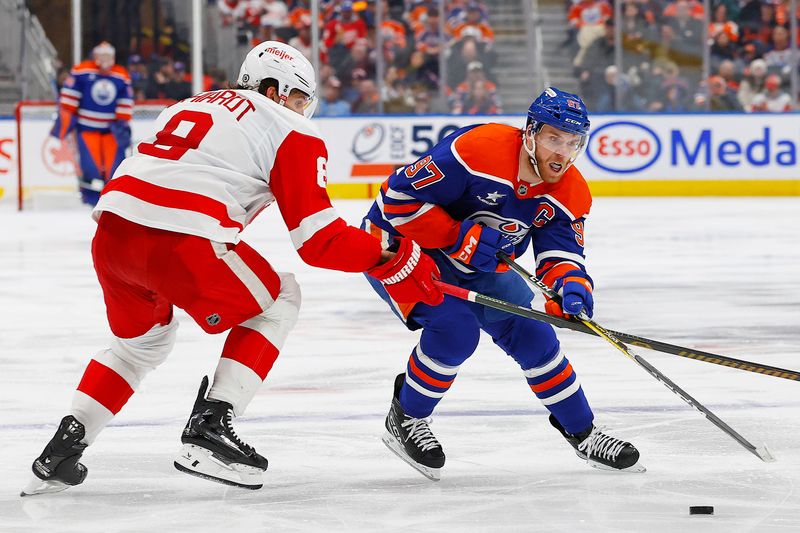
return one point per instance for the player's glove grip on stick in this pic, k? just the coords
(408, 276)
(478, 245)
(575, 288)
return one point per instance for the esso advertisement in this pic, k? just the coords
(687, 147)
(620, 147)
(624, 147)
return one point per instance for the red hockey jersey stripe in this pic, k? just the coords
(172, 198)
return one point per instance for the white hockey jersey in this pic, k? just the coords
(221, 157)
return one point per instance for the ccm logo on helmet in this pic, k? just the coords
(623, 147)
(277, 52)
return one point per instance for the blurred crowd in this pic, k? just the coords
(439, 57)
(748, 46)
(410, 35)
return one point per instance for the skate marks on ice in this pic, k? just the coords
(723, 280)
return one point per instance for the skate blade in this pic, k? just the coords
(434, 474)
(38, 486)
(200, 462)
(635, 468)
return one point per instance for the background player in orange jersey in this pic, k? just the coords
(96, 102)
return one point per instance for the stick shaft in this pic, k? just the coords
(642, 342)
(643, 363)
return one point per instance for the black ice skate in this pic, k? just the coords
(601, 450)
(411, 438)
(57, 468)
(212, 450)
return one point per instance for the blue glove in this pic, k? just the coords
(575, 288)
(478, 245)
(121, 131)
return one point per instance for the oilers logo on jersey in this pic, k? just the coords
(103, 92)
(514, 230)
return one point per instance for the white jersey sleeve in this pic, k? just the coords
(218, 159)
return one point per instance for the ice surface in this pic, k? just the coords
(715, 274)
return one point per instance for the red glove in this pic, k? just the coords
(408, 276)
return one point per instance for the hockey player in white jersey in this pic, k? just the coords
(168, 233)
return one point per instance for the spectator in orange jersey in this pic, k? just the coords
(693, 7)
(465, 89)
(474, 22)
(721, 23)
(588, 17)
(756, 22)
(481, 101)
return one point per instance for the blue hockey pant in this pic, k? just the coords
(450, 334)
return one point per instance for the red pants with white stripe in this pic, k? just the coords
(144, 272)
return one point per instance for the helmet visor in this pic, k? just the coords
(569, 145)
(300, 102)
(310, 106)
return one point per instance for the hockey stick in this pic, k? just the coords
(761, 452)
(642, 342)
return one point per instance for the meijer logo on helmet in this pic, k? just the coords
(623, 147)
(280, 53)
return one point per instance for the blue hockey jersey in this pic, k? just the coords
(97, 98)
(473, 174)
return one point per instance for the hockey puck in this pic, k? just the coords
(701, 509)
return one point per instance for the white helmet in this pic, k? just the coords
(283, 63)
(103, 54)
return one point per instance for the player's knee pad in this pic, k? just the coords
(147, 351)
(277, 320)
(450, 342)
(529, 342)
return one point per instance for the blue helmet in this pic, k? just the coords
(562, 110)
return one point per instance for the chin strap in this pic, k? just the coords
(531, 152)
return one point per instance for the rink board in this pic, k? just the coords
(627, 155)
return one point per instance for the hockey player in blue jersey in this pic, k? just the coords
(96, 102)
(483, 189)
